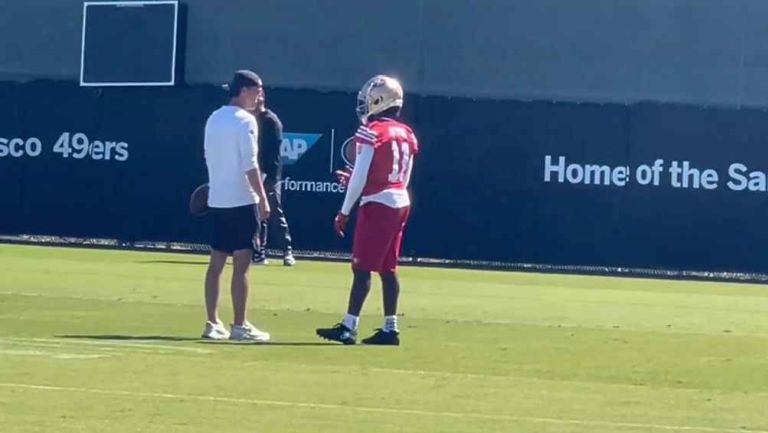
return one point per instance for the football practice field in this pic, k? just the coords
(106, 341)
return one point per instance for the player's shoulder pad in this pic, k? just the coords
(366, 135)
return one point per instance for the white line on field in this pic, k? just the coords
(147, 346)
(50, 354)
(383, 410)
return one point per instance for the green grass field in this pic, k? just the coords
(105, 341)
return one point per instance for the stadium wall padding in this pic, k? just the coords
(683, 51)
(480, 188)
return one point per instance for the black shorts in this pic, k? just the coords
(233, 228)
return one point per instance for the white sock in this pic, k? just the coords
(390, 323)
(351, 321)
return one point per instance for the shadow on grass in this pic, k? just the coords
(113, 337)
(129, 337)
(173, 262)
(298, 344)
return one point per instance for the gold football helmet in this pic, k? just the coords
(378, 94)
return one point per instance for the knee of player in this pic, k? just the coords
(216, 268)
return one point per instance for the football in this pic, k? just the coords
(198, 201)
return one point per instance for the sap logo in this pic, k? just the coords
(295, 145)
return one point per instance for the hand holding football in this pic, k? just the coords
(198, 201)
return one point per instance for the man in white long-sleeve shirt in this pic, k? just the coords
(385, 149)
(234, 177)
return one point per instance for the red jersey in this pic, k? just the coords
(394, 145)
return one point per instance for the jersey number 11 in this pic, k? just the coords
(400, 158)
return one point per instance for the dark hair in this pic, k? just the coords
(242, 79)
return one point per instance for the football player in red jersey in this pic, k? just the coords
(385, 150)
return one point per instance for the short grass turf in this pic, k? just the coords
(95, 341)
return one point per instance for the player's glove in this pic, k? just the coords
(340, 223)
(343, 175)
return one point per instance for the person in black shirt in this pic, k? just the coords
(270, 160)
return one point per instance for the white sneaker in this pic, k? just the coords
(289, 260)
(248, 332)
(215, 331)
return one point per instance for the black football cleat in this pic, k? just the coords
(383, 338)
(339, 333)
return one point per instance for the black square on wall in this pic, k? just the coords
(129, 43)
